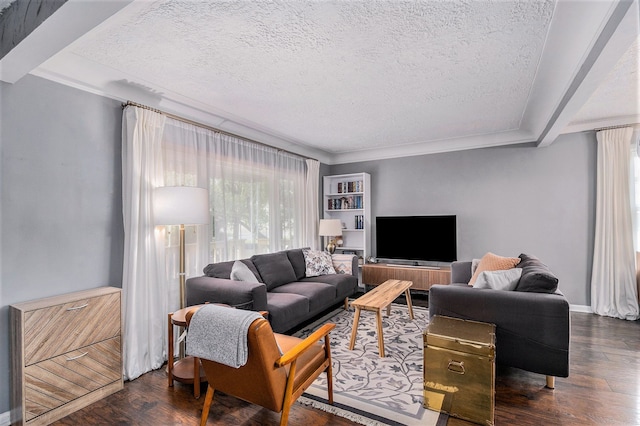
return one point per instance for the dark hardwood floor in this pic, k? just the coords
(603, 389)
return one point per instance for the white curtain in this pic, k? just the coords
(257, 200)
(613, 280)
(311, 214)
(257, 193)
(145, 293)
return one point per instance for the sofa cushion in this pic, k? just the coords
(296, 257)
(241, 272)
(318, 263)
(345, 284)
(320, 295)
(499, 280)
(223, 269)
(536, 276)
(286, 310)
(275, 269)
(493, 262)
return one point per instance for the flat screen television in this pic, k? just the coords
(417, 238)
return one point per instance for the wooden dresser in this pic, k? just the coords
(422, 277)
(66, 354)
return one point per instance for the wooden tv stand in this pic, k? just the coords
(423, 277)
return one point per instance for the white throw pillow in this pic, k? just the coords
(499, 280)
(241, 272)
(317, 263)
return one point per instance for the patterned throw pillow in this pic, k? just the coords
(318, 263)
(342, 263)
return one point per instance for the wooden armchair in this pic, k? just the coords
(271, 379)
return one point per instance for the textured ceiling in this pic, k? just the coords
(353, 80)
(340, 75)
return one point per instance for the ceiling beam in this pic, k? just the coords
(48, 32)
(613, 41)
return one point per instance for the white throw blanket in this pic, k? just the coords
(219, 333)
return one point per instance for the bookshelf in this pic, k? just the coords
(348, 197)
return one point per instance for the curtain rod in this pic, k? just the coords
(620, 126)
(213, 129)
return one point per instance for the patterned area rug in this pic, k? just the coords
(368, 389)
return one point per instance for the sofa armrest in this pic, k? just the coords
(523, 321)
(460, 272)
(354, 266)
(240, 294)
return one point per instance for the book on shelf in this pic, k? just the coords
(345, 203)
(350, 186)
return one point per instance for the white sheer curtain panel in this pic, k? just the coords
(613, 279)
(143, 286)
(256, 193)
(311, 215)
(257, 204)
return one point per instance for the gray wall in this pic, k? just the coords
(61, 211)
(508, 200)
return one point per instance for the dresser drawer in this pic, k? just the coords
(54, 382)
(57, 329)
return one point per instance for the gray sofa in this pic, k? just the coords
(283, 290)
(532, 326)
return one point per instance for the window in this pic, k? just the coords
(256, 193)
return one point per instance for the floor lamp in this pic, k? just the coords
(181, 205)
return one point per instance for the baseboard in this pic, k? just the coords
(581, 308)
(5, 418)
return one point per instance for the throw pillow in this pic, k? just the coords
(342, 263)
(318, 263)
(499, 280)
(493, 262)
(536, 276)
(223, 269)
(274, 268)
(241, 272)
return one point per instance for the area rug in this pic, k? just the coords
(368, 389)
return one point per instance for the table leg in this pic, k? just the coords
(170, 352)
(408, 295)
(356, 318)
(196, 377)
(389, 310)
(380, 336)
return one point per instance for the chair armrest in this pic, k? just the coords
(293, 353)
(241, 294)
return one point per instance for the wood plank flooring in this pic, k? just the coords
(603, 389)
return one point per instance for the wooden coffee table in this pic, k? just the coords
(376, 300)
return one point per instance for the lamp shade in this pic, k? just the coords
(180, 205)
(330, 227)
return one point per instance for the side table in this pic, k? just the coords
(184, 370)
